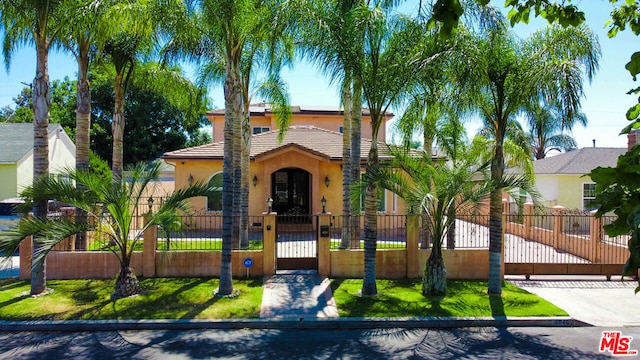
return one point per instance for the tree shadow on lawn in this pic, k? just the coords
(148, 305)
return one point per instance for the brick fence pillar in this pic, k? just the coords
(324, 244)
(595, 235)
(528, 220)
(26, 252)
(558, 225)
(269, 243)
(149, 245)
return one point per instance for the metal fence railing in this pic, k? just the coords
(562, 238)
(539, 238)
(471, 232)
(203, 232)
(391, 231)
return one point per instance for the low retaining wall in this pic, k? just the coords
(205, 263)
(63, 265)
(392, 264)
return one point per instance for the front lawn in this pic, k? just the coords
(403, 298)
(192, 298)
(161, 298)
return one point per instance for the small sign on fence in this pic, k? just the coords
(248, 263)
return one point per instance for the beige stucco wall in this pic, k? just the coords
(264, 167)
(328, 122)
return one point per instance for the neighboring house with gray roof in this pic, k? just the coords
(562, 179)
(16, 157)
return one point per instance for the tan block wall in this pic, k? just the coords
(391, 264)
(205, 263)
(469, 264)
(62, 265)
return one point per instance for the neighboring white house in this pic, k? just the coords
(16, 156)
(562, 180)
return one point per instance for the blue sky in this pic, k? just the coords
(605, 101)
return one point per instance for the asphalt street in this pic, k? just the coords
(467, 343)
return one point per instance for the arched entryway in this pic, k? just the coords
(291, 189)
(296, 244)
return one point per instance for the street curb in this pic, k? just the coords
(299, 323)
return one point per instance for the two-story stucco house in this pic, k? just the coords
(296, 172)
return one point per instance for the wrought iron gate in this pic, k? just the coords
(296, 242)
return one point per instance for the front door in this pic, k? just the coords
(290, 189)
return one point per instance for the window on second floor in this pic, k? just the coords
(260, 129)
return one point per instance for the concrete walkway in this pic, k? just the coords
(297, 295)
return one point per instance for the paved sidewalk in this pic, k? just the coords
(297, 295)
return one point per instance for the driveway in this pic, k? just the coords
(592, 300)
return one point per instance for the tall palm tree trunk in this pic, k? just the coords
(83, 124)
(237, 173)
(370, 225)
(41, 104)
(244, 199)
(356, 140)
(233, 113)
(117, 129)
(347, 164)
(495, 224)
(427, 143)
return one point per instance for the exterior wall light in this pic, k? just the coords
(324, 204)
(269, 204)
(190, 180)
(326, 180)
(255, 180)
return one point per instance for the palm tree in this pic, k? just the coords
(226, 35)
(37, 22)
(441, 189)
(546, 129)
(394, 49)
(80, 40)
(110, 210)
(333, 39)
(507, 76)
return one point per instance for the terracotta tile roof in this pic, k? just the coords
(578, 162)
(320, 142)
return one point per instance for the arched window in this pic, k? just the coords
(214, 202)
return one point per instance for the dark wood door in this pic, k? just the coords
(291, 192)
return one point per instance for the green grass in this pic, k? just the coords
(192, 298)
(335, 244)
(178, 244)
(161, 298)
(403, 298)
